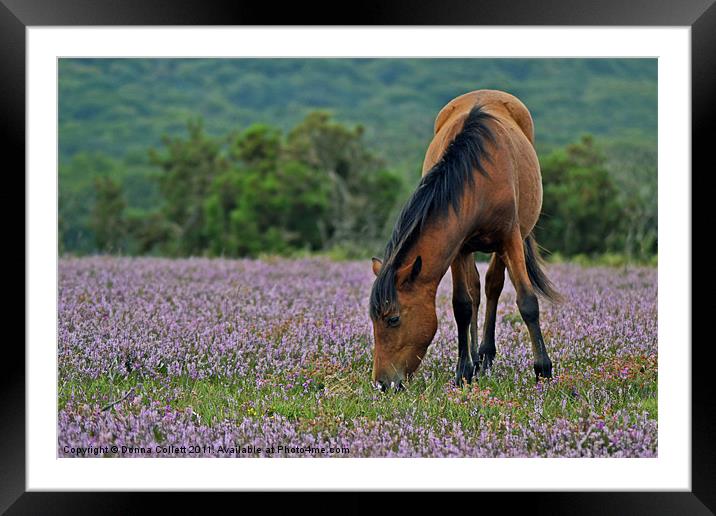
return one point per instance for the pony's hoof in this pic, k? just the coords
(543, 368)
(464, 374)
(486, 360)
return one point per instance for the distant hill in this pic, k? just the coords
(121, 107)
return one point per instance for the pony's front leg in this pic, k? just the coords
(473, 286)
(462, 306)
(494, 281)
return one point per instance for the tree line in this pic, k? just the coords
(319, 187)
(256, 191)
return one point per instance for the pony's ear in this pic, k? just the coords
(377, 265)
(408, 273)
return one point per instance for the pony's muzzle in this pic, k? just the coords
(393, 385)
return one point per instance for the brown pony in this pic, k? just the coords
(481, 190)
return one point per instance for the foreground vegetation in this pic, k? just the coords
(226, 354)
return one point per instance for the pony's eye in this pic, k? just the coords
(393, 321)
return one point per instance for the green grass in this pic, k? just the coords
(347, 397)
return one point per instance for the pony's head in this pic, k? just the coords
(404, 322)
(402, 302)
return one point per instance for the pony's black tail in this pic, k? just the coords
(538, 278)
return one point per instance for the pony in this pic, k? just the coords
(481, 190)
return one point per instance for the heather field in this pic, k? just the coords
(248, 358)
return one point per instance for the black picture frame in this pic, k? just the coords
(17, 15)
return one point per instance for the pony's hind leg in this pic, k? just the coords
(494, 281)
(527, 302)
(462, 306)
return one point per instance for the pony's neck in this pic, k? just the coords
(438, 246)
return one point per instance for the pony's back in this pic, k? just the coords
(450, 119)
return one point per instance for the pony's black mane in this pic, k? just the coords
(439, 189)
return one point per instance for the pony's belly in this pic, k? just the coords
(484, 243)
